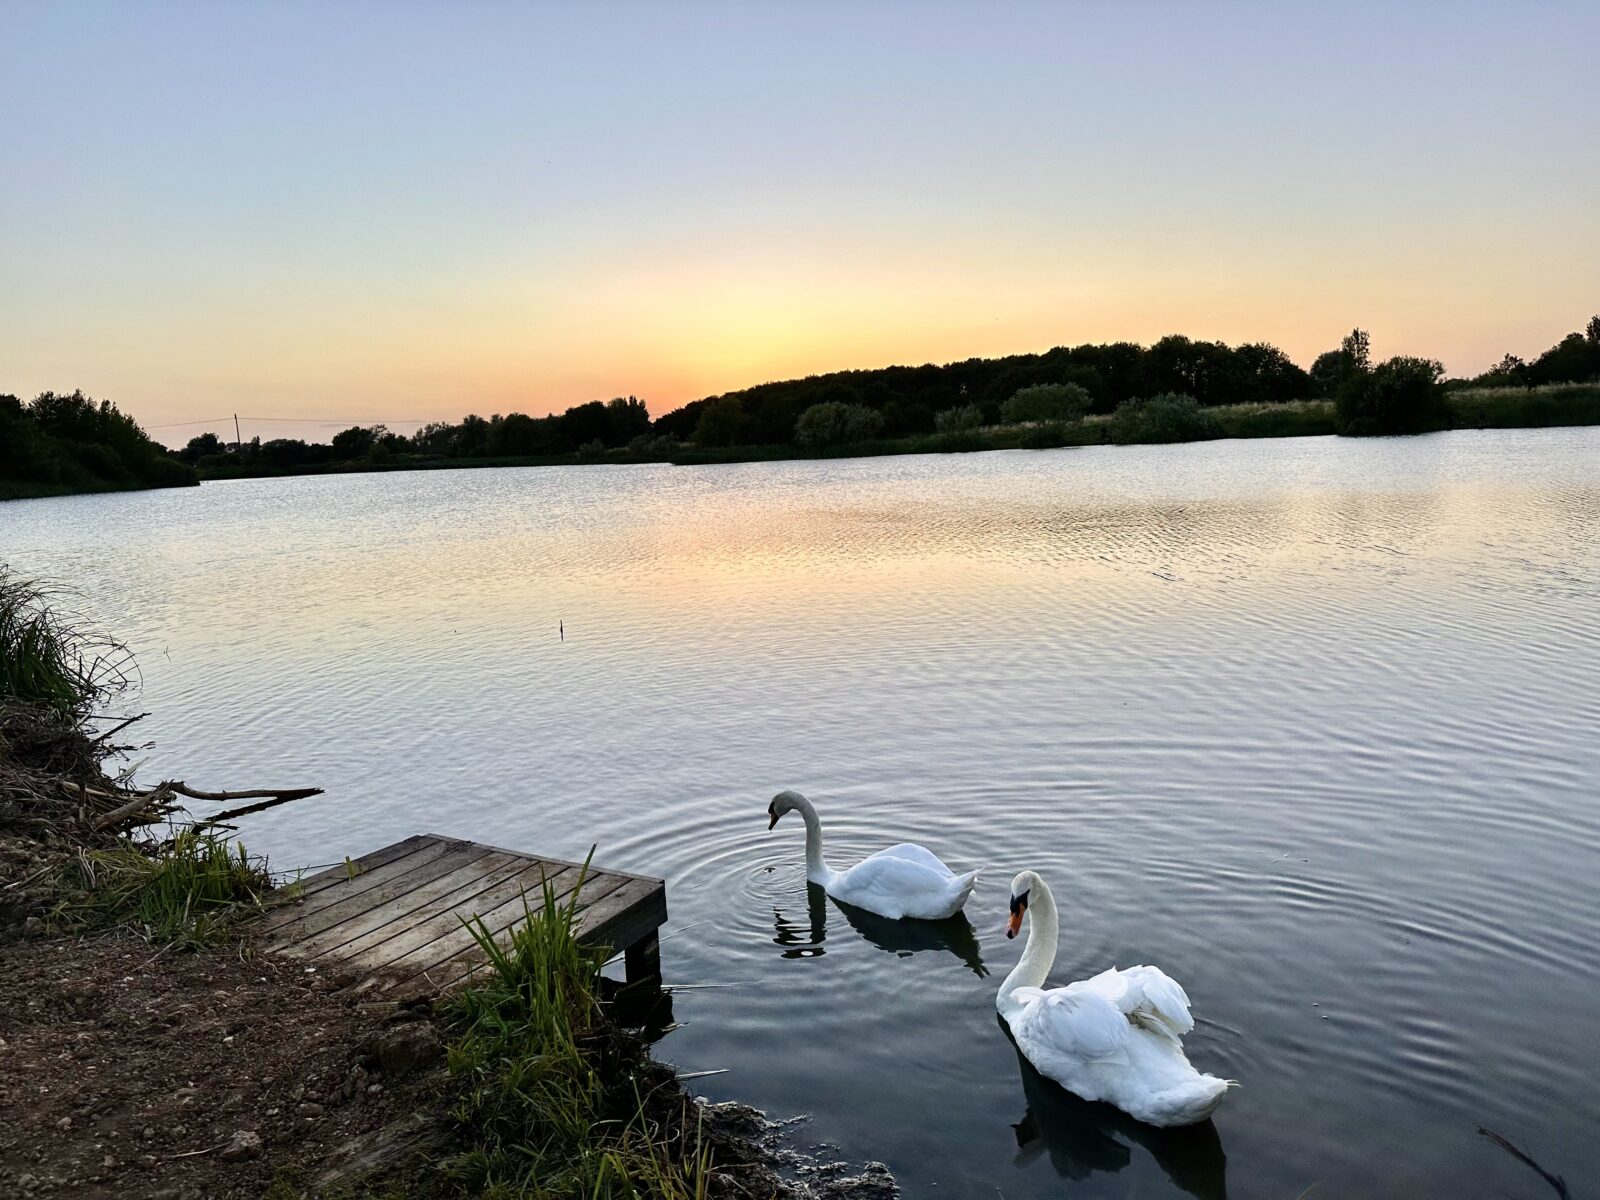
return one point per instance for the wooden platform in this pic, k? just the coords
(393, 922)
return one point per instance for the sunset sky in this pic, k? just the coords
(405, 211)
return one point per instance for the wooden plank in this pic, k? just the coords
(459, 942)
(491, 874)
(458, 953)
(440, 860)
(347, 886)
(299, 889)
(593, 870)
(458, 880)
(417, 941)
(624, 916)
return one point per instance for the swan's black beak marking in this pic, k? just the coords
(772, 816)
(1019, 905)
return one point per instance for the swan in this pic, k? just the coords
(1117, 1037)
(902, 881)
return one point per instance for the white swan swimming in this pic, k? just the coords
(1117, 1037)
(902, 881)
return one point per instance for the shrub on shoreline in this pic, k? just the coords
(835, 424)
(1169, 417)
(1401, 395)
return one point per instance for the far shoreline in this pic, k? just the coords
(1552, 407)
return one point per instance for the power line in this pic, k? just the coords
(293, 420)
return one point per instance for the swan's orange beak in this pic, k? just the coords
(1015, 923)
(772, 819)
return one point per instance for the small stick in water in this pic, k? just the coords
(1522, 1156)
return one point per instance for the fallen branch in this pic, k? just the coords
(116, 728)
(133, 808)
(183, 789)
(1522, 1156)
(277, 799)
(139, 804)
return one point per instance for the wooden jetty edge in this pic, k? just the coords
(393, 923)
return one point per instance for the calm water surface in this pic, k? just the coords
(1311, 724)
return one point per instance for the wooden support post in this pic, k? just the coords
(643, 960)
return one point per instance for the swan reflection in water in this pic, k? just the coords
(901, 938)
(1084, 1136)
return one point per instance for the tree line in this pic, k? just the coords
(1160, 392)
(1392, 396)
(586, 429)
(1167, 391)
(59, 443)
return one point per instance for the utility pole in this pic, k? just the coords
(236, 438)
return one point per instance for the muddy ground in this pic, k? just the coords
(142, 1074)
(130, 1073)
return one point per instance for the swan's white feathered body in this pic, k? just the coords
(1116, 1037)
(906, 880)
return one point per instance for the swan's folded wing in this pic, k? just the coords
(911, 852)
(884, 883)
(1074, 1022)
(1149, 996)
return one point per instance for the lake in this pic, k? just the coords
(1311, 724)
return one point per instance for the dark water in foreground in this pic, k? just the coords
(1311, 724)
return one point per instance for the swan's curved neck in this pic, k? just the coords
(817, 871)
(1044, 931)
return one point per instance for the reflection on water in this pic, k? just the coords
(903, 938)
(1080, 1137)
(1307, 723)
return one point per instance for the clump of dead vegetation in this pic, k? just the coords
(82, 846)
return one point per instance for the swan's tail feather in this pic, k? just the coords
(1191, 1103)
(967, 880)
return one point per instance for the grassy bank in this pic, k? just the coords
(1525, 408)
(551, 1100)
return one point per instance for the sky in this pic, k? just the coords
(347, 212)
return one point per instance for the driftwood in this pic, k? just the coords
(160, 800)
(126, 814)
(1522, 1156)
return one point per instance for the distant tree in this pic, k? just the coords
(1510, 371)
(1591, 331)
(25, 452)
(1169, 417)
(1402, 395)
(1264, 374)
(200, 447)
(834, 424)
(285, 454)
(586, 423)
(1574, 359)
(1062, 402)
(721, 422)
(68, 440)
(1328, 372)
(1176, 363)
(436, 437)
(626, 418)
(352, 443)
(512, 434)
(1357, 348)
